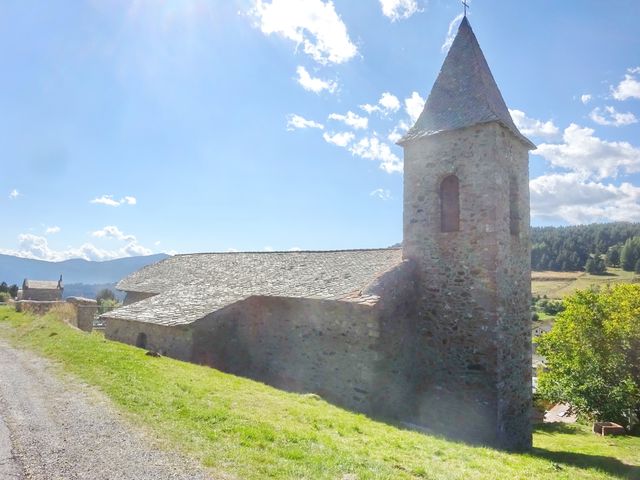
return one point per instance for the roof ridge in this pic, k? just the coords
(289, 251)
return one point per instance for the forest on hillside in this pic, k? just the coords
(570, 248)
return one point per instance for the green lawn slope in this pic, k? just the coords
(243, 429)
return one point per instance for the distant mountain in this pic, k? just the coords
(75, 271)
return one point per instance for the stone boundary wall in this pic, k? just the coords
(37, 307)
(86, 310)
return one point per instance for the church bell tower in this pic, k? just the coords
(466, 227)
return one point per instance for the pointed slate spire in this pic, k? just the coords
(465, 93)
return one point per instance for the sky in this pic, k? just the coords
(131, 127)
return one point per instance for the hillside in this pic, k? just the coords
(74, 271)
(244, 429)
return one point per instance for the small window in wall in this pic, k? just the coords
(514, 210)
(141, 341)
(450, 204)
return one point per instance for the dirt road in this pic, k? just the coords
(53, 429)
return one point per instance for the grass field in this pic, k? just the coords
(243, 429)
(560, 284)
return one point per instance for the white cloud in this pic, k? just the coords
(381, 193)
(373, 149)
(590, 155)
(35, 247)
(13, 194)
(112, 202)
(111, 231)
(52, 230)
(388, 103)
(586, 98)
(313, 84)
(398, 131)
(295, 249)
(573, 198)
(341, 139)
(531, 126)
(314, 24)
(398, 9)
(610, 116)
(629, 87)
(296, 121)
(414, 106)
(351, 119)
(451, 33)
(268, 249)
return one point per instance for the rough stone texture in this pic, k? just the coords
(42, 290)
(172, 341)
(474, 303)
(86, 310)
(348, 352)
(189, 287)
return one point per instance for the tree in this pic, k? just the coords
(4, 288)
(613, 256)
(593, 355)
(105, 294)
(637, 267)
(13, 290)
(630, 254)
(595, 265)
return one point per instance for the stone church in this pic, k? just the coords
(434, 334)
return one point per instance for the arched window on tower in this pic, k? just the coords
(450, 204)
(514, 210)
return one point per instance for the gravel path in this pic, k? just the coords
(52, 429)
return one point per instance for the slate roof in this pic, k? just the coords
(189, 287)
(464, 94)
(41, 284)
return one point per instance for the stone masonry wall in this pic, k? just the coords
(171, 341)
(473, 305)
(327, 348)
(350, 353)
(42, 294)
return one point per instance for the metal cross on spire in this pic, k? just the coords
(466, 5)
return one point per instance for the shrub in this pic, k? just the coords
(106, 305)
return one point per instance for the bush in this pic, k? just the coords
(106, 305)
(4, 297)
(593, 355)
(551, 307)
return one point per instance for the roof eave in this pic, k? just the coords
(407, 138)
